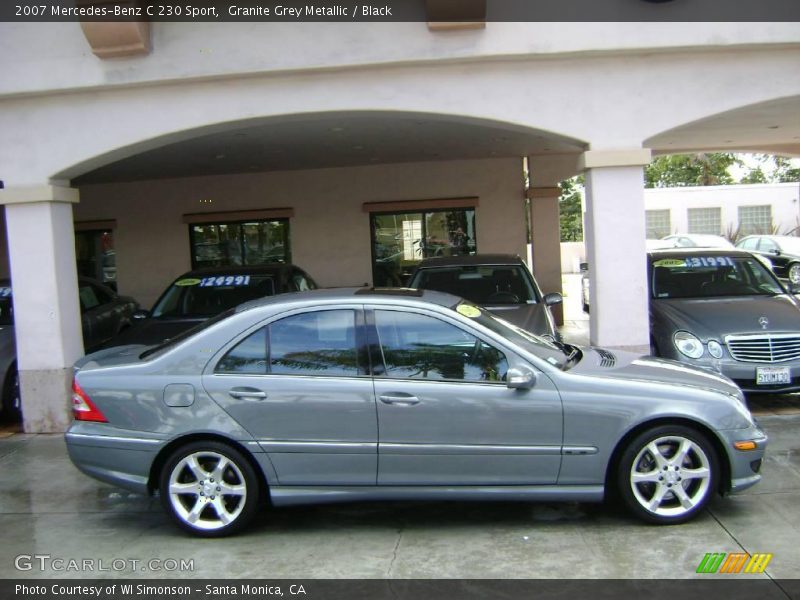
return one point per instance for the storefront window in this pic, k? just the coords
(246, 243)
(94, 251)
(401, 240)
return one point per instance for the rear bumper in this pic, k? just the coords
(118, 458)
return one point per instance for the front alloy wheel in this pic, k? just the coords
(794, 273)
(668, 474)
(209, 488)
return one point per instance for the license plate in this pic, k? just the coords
(772, 375)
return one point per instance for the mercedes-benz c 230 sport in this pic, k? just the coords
(338, 395)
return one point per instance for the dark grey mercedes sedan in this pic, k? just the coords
(723, 309)
(342, 395)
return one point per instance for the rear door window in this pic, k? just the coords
(319, 343)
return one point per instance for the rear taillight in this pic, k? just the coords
(84, 409)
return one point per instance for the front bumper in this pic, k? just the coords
(743, 374)
(745, 464)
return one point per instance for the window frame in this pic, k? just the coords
(655, 213)
(242, 244)
(701, 214)
(376, 352)
(424, 213)
(362, 355)
(752, 227)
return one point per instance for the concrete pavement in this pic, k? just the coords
(48, 508)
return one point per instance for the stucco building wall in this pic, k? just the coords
(330, 232)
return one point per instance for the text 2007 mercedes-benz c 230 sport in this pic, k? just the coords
(338, 395)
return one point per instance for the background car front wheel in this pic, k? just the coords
(209, 488)
(668, 474)
(793, 273)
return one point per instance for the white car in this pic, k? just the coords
(696, 240)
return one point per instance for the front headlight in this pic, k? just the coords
(688, 344)
(714, 349)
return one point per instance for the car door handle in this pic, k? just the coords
(399, 399)
(247, 394)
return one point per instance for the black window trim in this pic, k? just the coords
(376, 350)
(362, 356)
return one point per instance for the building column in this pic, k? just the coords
(546, 242)
(615, 247)
(41, 247)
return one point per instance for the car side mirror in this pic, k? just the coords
(775, 252)
(517, 379)
(140, 315)
(554, 298)
(584, 267)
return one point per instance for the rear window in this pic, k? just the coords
(482, 285)
(191, 297)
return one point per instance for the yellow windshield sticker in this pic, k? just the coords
(468, 311)
(670, 262)
(186, 282)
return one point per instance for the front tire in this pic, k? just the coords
(209, 489)
(668, 474)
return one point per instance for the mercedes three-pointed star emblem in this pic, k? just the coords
(764, 322)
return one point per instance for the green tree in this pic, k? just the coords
(570, 213)
(755, 175)
(784, 171)
(681, 170)
(771, 169)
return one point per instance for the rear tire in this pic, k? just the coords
(668, 474)
(209, 489)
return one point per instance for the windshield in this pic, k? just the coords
(205, 297)
(554, 353)
(482, 285)
(712, 276)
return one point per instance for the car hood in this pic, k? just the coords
(629, 366)
(530, 317)
(718, 317)
(153, 331)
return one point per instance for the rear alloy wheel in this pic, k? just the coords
(794, 273)
(209, 488)
(668, 474)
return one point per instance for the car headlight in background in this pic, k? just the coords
(688, 344)
(715, 349)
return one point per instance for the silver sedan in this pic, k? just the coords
(343, 395)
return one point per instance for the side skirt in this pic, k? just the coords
(294, 495)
